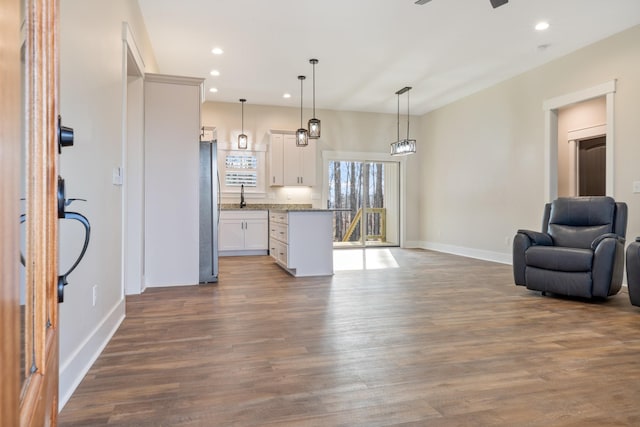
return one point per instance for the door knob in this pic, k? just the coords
(65, 136)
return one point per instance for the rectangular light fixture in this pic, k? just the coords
(404, 147)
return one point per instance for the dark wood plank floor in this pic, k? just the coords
(440, 341)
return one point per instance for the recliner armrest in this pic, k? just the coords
(600, 238)
(537, 238)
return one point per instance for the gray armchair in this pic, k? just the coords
(580, 251)
(633, 272)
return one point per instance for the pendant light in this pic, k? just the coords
(302, 135)
(404, 146)
(243, 141)
(314, 124)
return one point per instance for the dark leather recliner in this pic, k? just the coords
(633, 272)
(580, 251)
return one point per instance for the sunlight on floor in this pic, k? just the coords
(363, 259)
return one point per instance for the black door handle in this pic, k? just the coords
(62, 279)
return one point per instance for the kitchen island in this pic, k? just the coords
(301, 241)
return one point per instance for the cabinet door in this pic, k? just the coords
(231, 235)
(256, 234)
(291, 157)
(276, 160)
(308, 164)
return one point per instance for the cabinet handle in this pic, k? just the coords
(301, 180)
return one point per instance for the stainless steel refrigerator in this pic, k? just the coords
(209, 207)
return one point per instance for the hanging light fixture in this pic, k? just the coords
(243, 141)
(314, 124)
(404, 146)
(302, 135)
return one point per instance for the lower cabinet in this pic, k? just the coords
(301, 242)
(243, 233)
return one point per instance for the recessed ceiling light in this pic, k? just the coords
(215, 73)
(286, 95)
(213, 90)
(217, 51)
(541, 26)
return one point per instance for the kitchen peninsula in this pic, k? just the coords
(300, 238)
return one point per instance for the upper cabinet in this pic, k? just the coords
(291, 165)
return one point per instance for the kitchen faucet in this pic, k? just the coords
(242, 202)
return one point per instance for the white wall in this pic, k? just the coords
(171, 236)
(482, 174)
(91, 102)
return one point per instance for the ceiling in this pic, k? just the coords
(368, 49)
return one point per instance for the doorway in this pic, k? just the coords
(591, 166)
(365, 195)
(552, 109)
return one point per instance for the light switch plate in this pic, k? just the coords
(117, 176)
(636, 186)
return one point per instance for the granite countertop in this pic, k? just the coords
(275, 207)
(265, 207)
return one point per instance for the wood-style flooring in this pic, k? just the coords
(439, 341)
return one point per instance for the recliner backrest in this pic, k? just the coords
(577, 221)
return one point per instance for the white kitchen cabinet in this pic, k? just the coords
(291, 165)
(243, 232)
(276, 160)
(301, 242)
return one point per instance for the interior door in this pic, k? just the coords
(29, 388)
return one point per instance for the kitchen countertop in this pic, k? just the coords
(264, 206)
(276, 207)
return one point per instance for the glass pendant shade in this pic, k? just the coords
(404, 147)
(302, 135)
(314, 124)
(243, 140)
(314, 128)
(302, 138)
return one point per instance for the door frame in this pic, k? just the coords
(551, 107)
(133, 72)
(360, 156)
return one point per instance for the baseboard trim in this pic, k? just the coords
(73, 370)
(499, 257)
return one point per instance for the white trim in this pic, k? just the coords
(579, 96)
(73, 370)
(178, 80)
(499, 257)
(610, 157)
(129, 40)
(550, 155)
(550, 108)
(586, 133)
(129, 47)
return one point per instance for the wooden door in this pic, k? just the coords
(30, 98)
(9, 210)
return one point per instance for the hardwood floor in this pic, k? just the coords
(440, 341)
